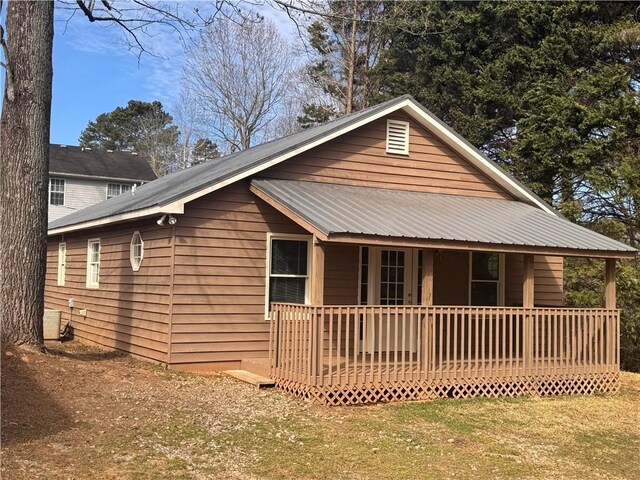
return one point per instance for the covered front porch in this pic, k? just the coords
(439, 307)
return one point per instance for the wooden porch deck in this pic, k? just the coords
(317, 352)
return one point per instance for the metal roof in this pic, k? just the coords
(177, 186)
(98, 163)
(341, 209)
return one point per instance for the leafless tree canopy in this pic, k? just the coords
(240, 74)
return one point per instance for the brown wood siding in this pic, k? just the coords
(130, 310)
(451, 278)
(359, 158)
(548, 285)
(341, 274)
(219, 283)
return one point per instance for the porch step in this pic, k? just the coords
(252, 378)
(259, 366)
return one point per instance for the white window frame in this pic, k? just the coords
(62, 263)
(135, 265)
(500, 281)
(119, 185)
(63, 192)
(307, 285)
(90, 283)
(398, 123)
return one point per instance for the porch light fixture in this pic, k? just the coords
(161, 220)
(172, 220)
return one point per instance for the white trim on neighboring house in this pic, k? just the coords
(307, 286)
(98, 177)
(89, 281)
(408, 105)
(62, 263)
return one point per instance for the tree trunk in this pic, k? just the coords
(351, 61)
(24, 170)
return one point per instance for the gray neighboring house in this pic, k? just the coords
(80, 177)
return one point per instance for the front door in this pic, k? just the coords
(393, 282)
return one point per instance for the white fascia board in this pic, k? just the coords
(122, 217)
(484, 165)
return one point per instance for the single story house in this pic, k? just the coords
(80, 177)
(376, 257)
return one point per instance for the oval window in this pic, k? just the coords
(137, 251)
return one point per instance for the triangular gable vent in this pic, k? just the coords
(398, 137)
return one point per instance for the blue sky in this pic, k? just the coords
(94, 72)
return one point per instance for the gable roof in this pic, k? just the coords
(71, 161)
(342, 212)
(169, 194)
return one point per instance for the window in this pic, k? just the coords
(136, 251)
(56, 191)
(93, 263)
(115, 189)
(288, 275)
(485, 285)
(62, 262)
(398, 137)
(364, 275)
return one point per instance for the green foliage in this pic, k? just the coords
(314, 114)
(125, 127)
(204, 150)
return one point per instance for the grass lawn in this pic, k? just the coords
(79, 411)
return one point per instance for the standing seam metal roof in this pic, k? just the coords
(341, 209)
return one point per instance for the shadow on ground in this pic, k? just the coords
(29, 411)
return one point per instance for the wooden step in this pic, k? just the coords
(252, 378)
(259, 366)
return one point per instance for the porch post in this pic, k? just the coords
(610, 284)
(528, 283)
(528, 301)
(317, 299)
(317, 272)
(427, 277)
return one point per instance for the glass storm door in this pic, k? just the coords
(394, 284)
(395, 277)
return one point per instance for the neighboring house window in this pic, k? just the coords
(56, 191)
(93, 263)
(398, 137)
(288, 273)
(62, 262)
(115, 189)
(136, 252)
(485, 275)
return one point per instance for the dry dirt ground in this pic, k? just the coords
(79, 412)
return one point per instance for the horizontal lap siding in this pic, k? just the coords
(359, 158)
(219, 283)
(341, 274)
(548, 280)
(130, 310)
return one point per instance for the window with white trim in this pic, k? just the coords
(136, 251)
(62, 262)
(93, 263)
(115, 189)
(485, 279)
(56, 191)
(289, 266)
(397, 137)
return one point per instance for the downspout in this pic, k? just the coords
(171, 283)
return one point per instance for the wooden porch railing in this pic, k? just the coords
(344, 345)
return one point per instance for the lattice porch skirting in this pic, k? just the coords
(543, 386)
